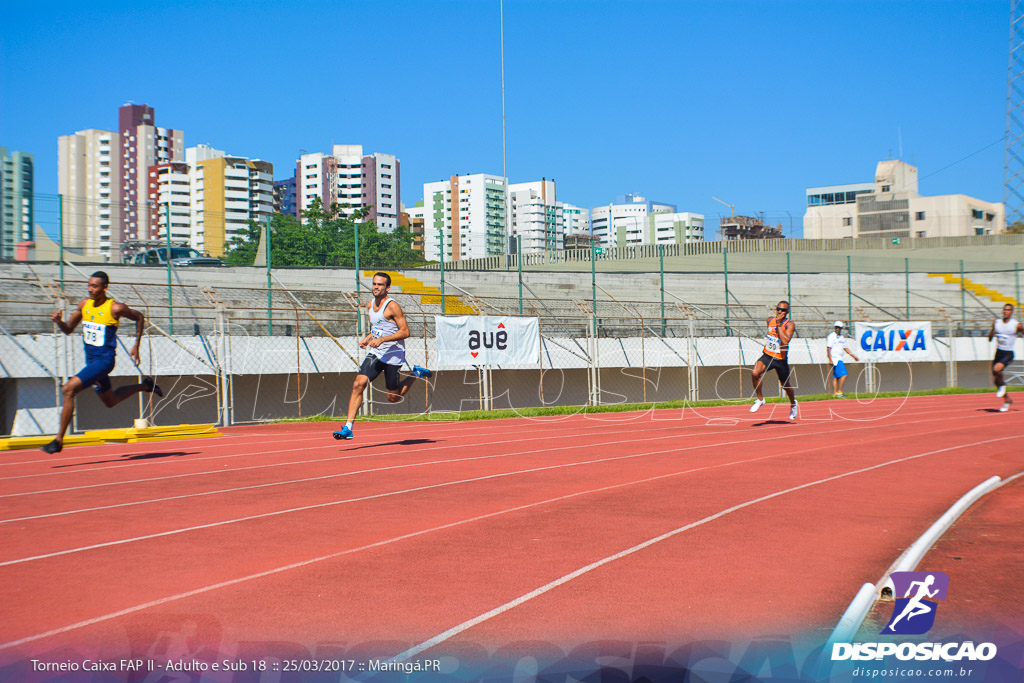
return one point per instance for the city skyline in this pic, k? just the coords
(680, 101)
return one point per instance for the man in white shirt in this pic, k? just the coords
(836, 349)
(1005, 331)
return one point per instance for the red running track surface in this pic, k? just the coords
(673, 525)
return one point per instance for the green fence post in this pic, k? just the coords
(1016, 273)
(170, 296)
(725, 271)
(789, 282)
(661, 268)
(60, 240)
(593, 282)
(359, 317)
(519, 263)
(849, 290)
(906, 268)
(440, 232)
(270, 302)
(963, 305)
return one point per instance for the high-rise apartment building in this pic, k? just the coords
(635, 220)
(575, 220)
(170, 201)
(536, 216)
(349, 178)
(284, 197)
(87, 167)
(142, 145)
(468, 214)
(16, 202)
(226, 193)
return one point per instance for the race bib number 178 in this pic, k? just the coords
(94, 334)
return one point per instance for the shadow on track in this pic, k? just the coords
(403, 442)
(136, 456)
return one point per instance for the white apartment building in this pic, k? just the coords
(634, 220)
(891, 207)
(346, 176)
(226, 193)
(575, 220)
(86, 179)
(171, 202)
(536, 216)
(467, 213)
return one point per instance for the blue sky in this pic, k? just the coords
(751, 102)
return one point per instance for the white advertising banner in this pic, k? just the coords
(508, 342)
(895, 341)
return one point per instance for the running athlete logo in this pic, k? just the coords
(914, 612)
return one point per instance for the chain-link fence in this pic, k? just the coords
(227, 348)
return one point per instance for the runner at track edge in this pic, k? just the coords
(1005, 330)
(99, 315)
(775, 357)
(386, 352)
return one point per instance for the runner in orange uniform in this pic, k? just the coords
(776, 357)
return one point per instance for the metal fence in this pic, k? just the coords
(229, 352)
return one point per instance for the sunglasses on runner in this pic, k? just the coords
(782, 310)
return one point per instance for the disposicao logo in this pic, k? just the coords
(914, 613)
(916, 604)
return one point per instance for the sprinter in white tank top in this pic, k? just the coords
(386, 352)
(1005, 331)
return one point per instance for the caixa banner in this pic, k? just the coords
(508, 342)
(896, 341)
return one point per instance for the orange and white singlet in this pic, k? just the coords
(772, 345)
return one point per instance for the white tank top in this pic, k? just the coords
(392, 352)
(1006, 334)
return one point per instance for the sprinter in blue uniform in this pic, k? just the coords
(99, 316)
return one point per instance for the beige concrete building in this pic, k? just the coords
(892, 207)
(86, 166)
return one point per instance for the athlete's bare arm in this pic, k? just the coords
(786, 332)
(120, 310)
(992, 332)
(72, 322)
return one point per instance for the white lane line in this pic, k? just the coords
(349, 551)
(237, 520)
(724, 428)
(336, 475)
(471, 427)
(501, 609)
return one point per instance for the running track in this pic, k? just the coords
(674, 525)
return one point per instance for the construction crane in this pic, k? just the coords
(732, 209)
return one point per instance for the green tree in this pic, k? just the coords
(327, 238)
(1016, 228)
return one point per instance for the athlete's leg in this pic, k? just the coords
(842, 381)
(111, 397)
(997, 374)
(356, 400)
(756, 377)
(70, 389)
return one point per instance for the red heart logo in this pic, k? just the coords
(474, 353)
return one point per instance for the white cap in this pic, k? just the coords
(838, 324)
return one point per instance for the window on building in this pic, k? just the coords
(886, 188)
(979, 231)
(990, 217)
(919, 215)
(977, 213)
(847, 221)
(921, 233)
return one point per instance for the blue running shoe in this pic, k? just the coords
(343, 433)
(417, 371)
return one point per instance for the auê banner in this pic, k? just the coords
(505, 341)
(895, 341)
